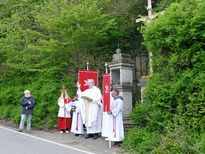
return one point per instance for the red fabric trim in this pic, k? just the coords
(68, 100)
(77, 122)
(114, 126)
(62, 121)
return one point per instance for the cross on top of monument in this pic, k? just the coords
(118, 50)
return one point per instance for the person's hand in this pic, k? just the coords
(26, 108)
(29, 102)
(89, 99)
(78, 85)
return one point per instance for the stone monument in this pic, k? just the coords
(121, 71)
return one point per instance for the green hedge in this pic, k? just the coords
(174, 106)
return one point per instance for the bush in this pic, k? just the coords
(175, 38)
(174, 97)
(178, 139)
(140, 114)
(199, 145)
(140, 140)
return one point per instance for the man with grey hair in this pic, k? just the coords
(27, 103)
(91, 108)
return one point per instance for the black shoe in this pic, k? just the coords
(79, 136)
(89, 136)
(20, 130)
(95, 136)
(116, 144)
(76, 135)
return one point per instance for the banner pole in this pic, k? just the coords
(87, 65)
(106, 71)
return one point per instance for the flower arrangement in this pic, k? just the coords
(143, 79)
(144, 76)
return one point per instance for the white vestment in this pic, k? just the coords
(62, 109)
(117, 132)
(91, 111)
(77, 122)
(107, 121)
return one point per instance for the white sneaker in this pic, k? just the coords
(61, 132)
(106, 139)
(67, 131)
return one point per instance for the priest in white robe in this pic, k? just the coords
(91, 108)
(117, 132)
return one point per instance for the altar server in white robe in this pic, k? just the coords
(117, 132)
(64, 113)
(91, 108)
(77, 121)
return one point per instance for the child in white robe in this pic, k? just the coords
(117, 132)
(64, 113)
(77, 122)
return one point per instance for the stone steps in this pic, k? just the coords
(128, 124)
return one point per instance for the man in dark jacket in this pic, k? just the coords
(27, 103)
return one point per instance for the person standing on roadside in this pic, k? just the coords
(27, 103)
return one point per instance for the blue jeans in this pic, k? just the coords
(23, 118)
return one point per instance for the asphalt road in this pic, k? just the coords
(12, 142)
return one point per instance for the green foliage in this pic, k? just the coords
(140, 114)
(140, 140)
(178, 140)
(44, 43)
(160, 5)
(178, 86)
(125, 13)
(174, 102)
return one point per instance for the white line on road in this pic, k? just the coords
(63, 145)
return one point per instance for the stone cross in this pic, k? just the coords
(148, 18)
(150, 15)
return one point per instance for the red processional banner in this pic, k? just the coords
(106, 92)
(84, 75)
